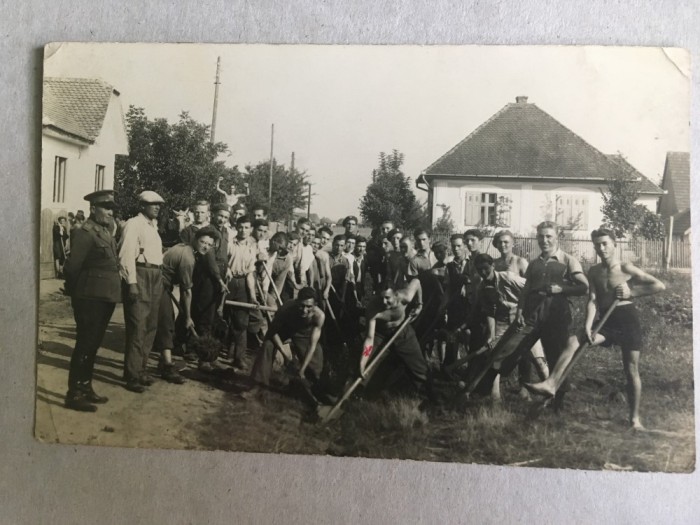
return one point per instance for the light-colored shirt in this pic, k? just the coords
(243, 257)
(351, 259)
(340, 268)
(140, 239)
(306, 258)
(499, 296)
(178, 266)
(421, 262)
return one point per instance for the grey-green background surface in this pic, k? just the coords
(65, 484)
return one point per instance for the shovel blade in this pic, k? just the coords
(324, 413)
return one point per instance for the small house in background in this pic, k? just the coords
(521, 167)
(83, 129)
(675, 204)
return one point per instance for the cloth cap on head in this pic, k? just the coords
(103, 198)
(150, 197)
(220, 207)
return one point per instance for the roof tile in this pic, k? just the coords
(523, 141)
(76, 106)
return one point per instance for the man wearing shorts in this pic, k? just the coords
(611, 280)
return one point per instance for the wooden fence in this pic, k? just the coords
(643, 253)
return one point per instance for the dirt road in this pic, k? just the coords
(213, 412)
(166, 416)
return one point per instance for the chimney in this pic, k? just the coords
(521, 100)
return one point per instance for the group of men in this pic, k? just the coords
(318, 287)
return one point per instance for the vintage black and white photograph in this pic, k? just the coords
(467, 254)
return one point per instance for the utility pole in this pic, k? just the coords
(216, 99)
(272, 163)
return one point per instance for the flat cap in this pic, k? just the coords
(150, 197)
(103, 198)
(220, 206)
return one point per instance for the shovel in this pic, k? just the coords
(582, 347)
(327, 412)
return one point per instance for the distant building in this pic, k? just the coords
(676, 202)
(83, 129)
(521, 167)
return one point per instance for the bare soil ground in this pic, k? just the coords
(213, 412)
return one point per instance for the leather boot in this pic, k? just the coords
(91, 395)
(76, 400)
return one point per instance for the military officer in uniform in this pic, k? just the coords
(92, 281)
(140, 261)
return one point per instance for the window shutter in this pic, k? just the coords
(472, 208)
(579, 212)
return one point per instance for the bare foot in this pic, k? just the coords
(636, 425)
(545, 388)
(524, 394)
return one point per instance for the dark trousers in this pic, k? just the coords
(407, 349)
(457, 315)
(205, 300)
(238, 318)
(141, 321)
(91, 320)
(300, 343)
(165, 334)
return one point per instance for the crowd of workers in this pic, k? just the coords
(331, 295)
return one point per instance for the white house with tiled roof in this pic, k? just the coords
(83, 129)
(521, 167)
(675, 204)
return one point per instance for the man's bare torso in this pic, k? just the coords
(605, 280)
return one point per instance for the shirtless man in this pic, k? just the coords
(508, 261)
(232, 198)
(385, 313)
(503, 241)
(301, 322)
(611, 280)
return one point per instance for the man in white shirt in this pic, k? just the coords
(140, 261)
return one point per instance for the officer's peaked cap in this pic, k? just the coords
(104, 198)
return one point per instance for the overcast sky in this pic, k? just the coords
(337, 107)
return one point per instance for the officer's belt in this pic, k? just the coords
(148, 265)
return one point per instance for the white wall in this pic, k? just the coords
(80, 168)
(532, 202)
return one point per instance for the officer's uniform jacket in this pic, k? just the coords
(92, 269)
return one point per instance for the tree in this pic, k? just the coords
(389, 196)
(624, 215)
(289, 189)
(175, 160)
(444, 226)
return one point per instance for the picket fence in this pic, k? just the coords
(642, 252)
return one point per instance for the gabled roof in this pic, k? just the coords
(522, 141)
(676, 182)
(76, 106)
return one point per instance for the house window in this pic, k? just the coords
(59, 179)
(572, 211)
(480, 209)
(99, 177)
